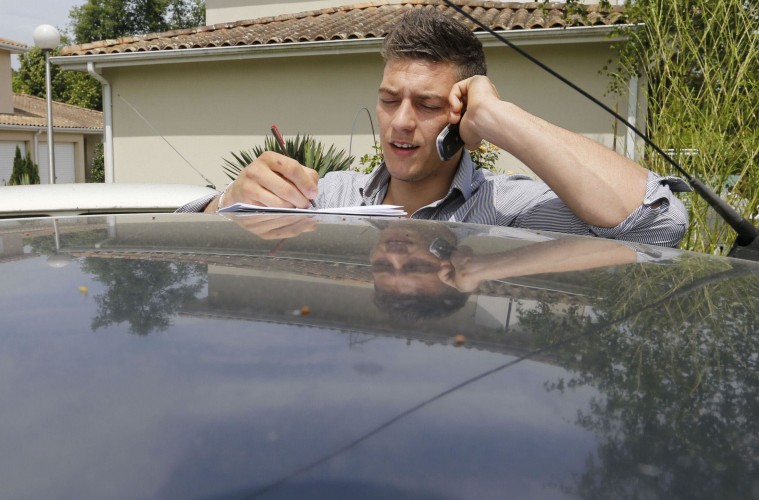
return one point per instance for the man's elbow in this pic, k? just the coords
(671, 223)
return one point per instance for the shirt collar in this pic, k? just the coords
(375, 184)
(465, 180)
(466, 176)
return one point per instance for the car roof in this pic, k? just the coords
(201, 356)
(94, 198)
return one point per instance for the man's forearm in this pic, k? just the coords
(597, 184)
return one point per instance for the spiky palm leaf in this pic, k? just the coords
(305, 150)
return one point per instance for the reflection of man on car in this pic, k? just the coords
(420, 270)
(408, 272)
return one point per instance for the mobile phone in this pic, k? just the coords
(449, 142)
(441, 249)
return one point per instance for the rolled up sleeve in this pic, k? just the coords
(197, 205)
(662, 219)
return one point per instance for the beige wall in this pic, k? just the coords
(6, 86)
(222, 11)
(206, 110)
(533, 89)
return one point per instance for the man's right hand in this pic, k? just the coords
(276, 226)
(272, 180)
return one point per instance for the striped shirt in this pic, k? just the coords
(481, 197)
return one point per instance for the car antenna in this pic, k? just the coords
(353, 128)
(746, 244)
(210, 184)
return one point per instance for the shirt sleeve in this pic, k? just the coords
(662, 219)
(196, 205)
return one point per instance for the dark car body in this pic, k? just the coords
(202, 356)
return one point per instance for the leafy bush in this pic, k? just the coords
(97, 172)
(306, 150)
(483, 157)
(25, 171)
(700, 60)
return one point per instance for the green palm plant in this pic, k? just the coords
(306, 150)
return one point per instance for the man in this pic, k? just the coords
(434, 70)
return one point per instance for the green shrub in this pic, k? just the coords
(700, 59)
(305, 150)
(25, 171)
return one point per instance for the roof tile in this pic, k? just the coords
(30, 111)
(13, 46)
(359, 20)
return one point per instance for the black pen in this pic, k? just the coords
(281, 144)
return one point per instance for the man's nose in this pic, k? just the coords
(396, 259)
(404, 117)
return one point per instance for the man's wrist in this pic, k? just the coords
(220, 199)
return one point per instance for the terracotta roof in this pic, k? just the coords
(30, 111)
(364, 20)
(13, 46)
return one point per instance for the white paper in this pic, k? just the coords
(373, 210)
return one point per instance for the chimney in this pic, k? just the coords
(229, 11)
(8, 47)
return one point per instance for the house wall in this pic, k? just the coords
(6, 86)
(206, 110)
(223, 11)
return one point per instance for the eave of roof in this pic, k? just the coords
(329, 47)
(348, 29)
(12, 46)
(30, 113)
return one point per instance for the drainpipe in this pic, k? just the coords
(107, 121)
(632, 117)
(36, 145)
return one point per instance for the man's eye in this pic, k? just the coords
(382, 267)
(429, 107)
(420, 268)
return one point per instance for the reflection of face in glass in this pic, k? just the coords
(407, 273)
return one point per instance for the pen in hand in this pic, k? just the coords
(281, 144)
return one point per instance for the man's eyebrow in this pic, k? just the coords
(418, 97)
(386, 90)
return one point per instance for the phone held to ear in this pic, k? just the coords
(449, 142)
(441, 249)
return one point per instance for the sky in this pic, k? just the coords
(18, 18)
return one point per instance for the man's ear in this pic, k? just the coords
(446, 273)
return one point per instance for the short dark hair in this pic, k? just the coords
(411, 308)
(429, 34)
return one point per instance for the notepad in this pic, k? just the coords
(369, 210)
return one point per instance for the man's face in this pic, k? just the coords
(402, 262)
(412, 109)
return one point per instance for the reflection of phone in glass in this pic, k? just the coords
(449, 142)
(441, 249)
